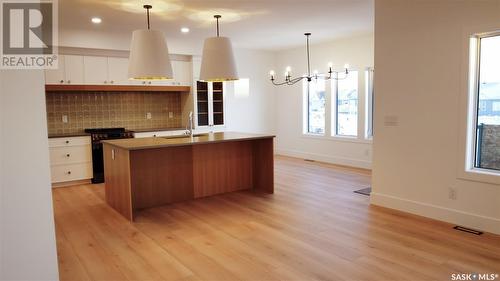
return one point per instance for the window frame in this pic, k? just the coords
(305, 102)
(330, 115)
(478, 105)
(470, 86)
(369, 102)
(335, 110)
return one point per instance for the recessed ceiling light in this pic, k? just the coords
(185, 30)
(96, 20)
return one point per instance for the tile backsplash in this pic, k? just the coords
(112, 109)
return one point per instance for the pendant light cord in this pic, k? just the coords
(308, 55)
(147, 7)
(217, 17)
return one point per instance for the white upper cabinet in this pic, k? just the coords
(70, 71)
(56, 76)
(96, 70)
(182, 73)
(73, 68)
(118, 71)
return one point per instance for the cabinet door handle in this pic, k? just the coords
(62, 81)
(143, 82)
(111, 81)
(69, 81)
(67, 141)
(68, 155)
(149, 82)
(69, 172)
(105, 82)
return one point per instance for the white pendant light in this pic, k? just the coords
(217, 63)
(149, 59)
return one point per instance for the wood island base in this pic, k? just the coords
(144, 178)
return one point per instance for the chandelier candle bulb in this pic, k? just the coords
(272, 73)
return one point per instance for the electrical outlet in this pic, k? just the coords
(148, 115)
(452, 193)
(65, 118)
(170, 114)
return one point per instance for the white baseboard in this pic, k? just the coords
(453, 216)
(326, 158)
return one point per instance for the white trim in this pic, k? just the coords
(337, 138)
(351, 162)
(453, 216)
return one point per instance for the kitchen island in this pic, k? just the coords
(148, 172)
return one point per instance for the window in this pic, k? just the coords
(369, 102)
(315, 106)
(346, 105)
(487, 101)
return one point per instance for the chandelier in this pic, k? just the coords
(289, 80)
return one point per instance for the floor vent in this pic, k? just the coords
(468, 230)
(309, 160)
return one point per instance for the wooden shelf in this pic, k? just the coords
(116, 88)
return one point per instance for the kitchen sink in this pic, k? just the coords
(184, 136)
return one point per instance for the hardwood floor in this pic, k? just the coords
(313, 228)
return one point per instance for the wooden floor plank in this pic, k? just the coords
(312, 228)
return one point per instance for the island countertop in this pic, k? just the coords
(159, 142)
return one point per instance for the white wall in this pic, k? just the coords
(358, 52)
(419, 51)
(254, 113)
(28, 247)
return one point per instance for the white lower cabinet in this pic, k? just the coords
(70, 172)
(70, 159)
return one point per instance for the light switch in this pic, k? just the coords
(148, 115)
(65, 118)
(170, 114)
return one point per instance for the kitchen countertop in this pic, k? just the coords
(83, 134)
(68, 135)
(159, 142)
(155, 130)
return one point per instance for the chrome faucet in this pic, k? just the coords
(189, 127)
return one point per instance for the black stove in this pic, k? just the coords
(97, 135)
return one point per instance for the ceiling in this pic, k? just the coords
(254, 24)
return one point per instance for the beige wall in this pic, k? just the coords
(420, 48)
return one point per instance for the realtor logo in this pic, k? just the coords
(29, 34)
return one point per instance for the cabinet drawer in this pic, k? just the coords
(71, 172)
(70, 154)
(73, 141)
